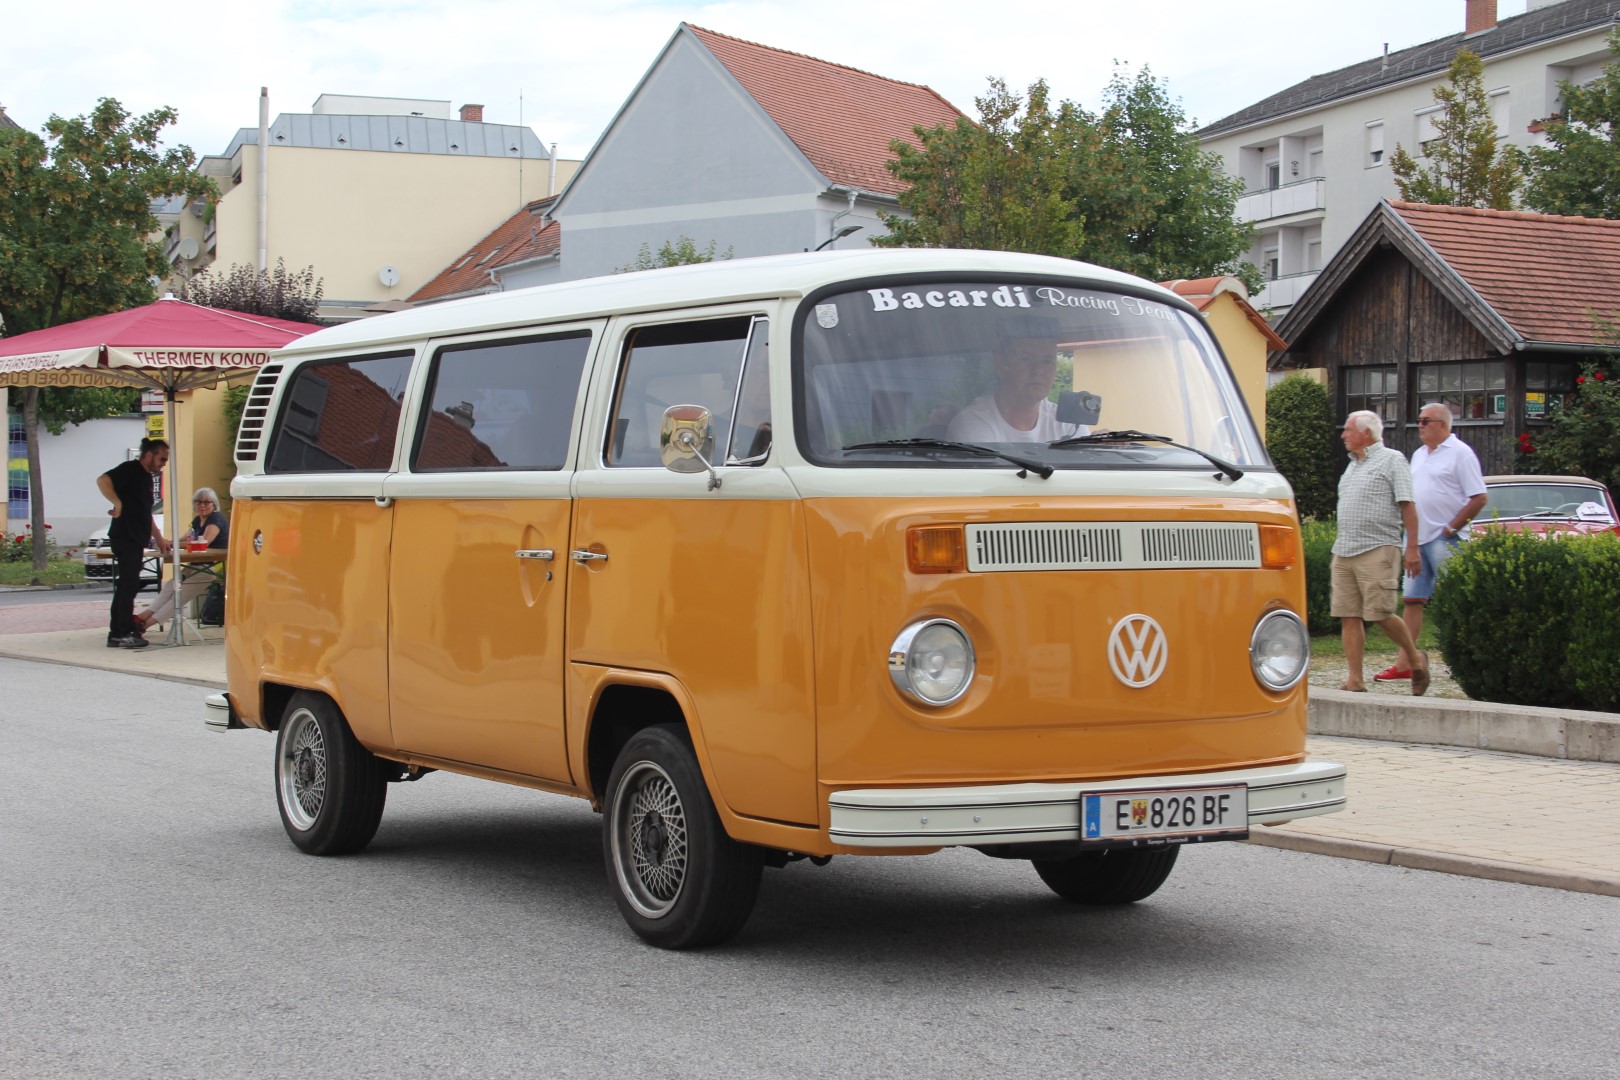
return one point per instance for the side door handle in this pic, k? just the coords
(544, 554)
(583, 557)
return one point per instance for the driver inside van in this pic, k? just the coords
(1017, 410)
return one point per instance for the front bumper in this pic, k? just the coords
(1041, 813)
(219, 714)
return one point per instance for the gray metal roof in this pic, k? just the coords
(1430, 58)
(397, 134)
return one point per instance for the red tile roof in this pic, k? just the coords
(1201, 292)
(843, 119)
(521, 237)
(1543, 273)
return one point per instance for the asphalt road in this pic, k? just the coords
(155, 921)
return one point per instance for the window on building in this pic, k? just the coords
(1375, 143)
(1313, 255)
(1313, 163)
(1273, 175)
(502, 404)
(1499, 111)
(1548, 386)
(1269, 264)
(1427, 133)
(1376, 389)
(1472, 390)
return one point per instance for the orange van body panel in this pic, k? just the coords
(1044, 704)
(476, 640)
(714, 592)
(311, 608)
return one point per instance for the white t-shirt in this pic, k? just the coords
(982, 422)
(1443, 480)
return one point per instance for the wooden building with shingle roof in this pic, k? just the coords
(1488, 311)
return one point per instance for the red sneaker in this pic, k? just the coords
(1392, 674)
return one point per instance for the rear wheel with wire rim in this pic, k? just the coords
(329, 788)
(679, 880)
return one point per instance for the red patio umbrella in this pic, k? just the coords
(170, 345)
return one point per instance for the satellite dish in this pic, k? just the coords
(188, 248)
(389, 276)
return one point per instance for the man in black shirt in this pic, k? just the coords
(129, 488)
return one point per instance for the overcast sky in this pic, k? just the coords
(565, 68)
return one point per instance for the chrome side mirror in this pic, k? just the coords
(686, 441)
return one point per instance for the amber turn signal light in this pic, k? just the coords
(936, 549)
(1279, 547)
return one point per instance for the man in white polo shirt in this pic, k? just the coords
(1449, 491)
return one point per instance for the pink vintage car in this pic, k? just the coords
(1550, 505)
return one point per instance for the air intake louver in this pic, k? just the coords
(1112, 545)
(256, 413)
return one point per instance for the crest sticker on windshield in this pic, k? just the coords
(827, 315)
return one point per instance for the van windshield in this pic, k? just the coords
(890, 375)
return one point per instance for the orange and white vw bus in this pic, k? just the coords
(865, 553)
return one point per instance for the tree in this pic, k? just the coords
(1001, 184)
(681, 253)
(1300, 437)
(1128, 188)
(1578, 172)
(1466, 166)
(1169, 210)
(278, 293)
(76, 229)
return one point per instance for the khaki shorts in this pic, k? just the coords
(1366, 584)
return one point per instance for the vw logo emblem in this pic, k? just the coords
(1137, 650)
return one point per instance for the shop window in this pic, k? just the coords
(1548, 386)
(1472, 390)
(1376, 389)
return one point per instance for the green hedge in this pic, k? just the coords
(1302, 438)
(1529, 621)
(1317, 538)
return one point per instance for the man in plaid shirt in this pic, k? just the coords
(1375, 504)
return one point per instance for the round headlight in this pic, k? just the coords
(1280, 650)
(931, 662)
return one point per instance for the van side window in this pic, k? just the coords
(691, 363)
(501, 404)
(341, 417)
(750, 442)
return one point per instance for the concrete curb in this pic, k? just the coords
(1438, 861)
(1482, 725)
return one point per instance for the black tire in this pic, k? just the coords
(679, 880)
(1110, 876)
(329, 788)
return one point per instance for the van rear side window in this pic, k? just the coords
(502, 405)
(341, 417)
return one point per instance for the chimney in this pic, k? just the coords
(474, 114)
(1481, 16)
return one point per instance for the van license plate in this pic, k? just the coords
(1169, 812)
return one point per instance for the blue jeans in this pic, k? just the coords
(1434, 555)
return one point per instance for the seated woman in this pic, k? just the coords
(211, 527)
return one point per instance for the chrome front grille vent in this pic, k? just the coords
(256, 413)
(1112, 545)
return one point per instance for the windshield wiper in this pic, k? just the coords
(1040, 469)
(1103, 438)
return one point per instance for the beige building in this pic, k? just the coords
(377, 194)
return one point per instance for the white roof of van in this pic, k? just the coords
(704, 284)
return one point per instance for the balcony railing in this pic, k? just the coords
(1300, 197)
(1283, 292)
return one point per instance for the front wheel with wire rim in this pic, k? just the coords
(679, 880)
(330, 789)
